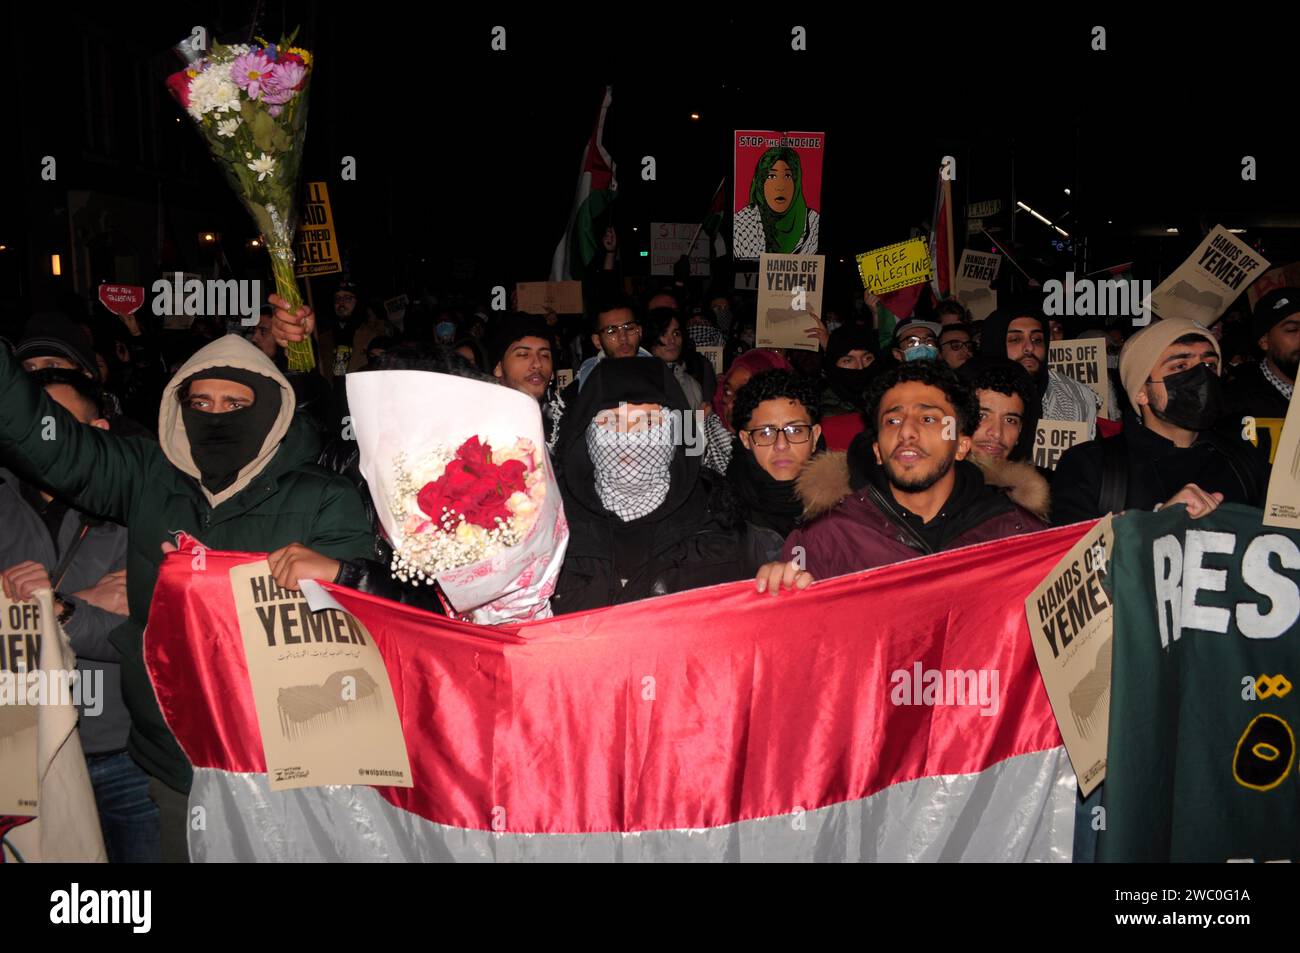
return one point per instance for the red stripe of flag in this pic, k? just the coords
(687, 711)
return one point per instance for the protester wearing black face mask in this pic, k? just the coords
(1171, 451)
(233, 467)
(853, 361)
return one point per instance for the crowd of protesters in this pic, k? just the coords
(890, 438)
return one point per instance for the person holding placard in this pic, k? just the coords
(1170, 452)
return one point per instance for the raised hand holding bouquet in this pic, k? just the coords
(464, 489)
(249, 102)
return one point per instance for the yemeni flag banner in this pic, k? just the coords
(891, 715)
(597, 187)
(1201, 754)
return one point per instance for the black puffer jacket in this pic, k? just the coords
(1218, 462)
(681, 545)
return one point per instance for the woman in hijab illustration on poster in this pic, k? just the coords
(777, 219)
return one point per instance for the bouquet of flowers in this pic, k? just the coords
(467, 499)
(249, 102)
(463, 507)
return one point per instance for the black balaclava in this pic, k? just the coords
(851, 385)
(223, 444)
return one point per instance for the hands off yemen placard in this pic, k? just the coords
(324, 701)
(1054, 437)
(975, 275)
(1071, 622)
(1203, 286)
(20, 653)
(789, 287)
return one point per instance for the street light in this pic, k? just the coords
(1043, 219)
(56, 265)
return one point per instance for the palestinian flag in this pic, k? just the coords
(714, 219)
(713, 724)
(597, 187)
(941, 249)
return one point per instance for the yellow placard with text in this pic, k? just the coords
(900, 265)
(316, 247)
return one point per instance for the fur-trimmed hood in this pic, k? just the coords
(824, 482)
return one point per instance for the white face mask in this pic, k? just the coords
(632, 469)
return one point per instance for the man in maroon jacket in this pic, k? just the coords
(907, 490)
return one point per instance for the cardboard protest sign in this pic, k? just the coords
(896, 266)
(777, 199)
(1283, 276)
(538, 297)
(121, 299)
(975, 273)
(1282, 506)
(1071, 622)
(746, 281)
(1203, 286)
(1085, 361)
(396, 307)
(789, 287)
(324, 702)
(20, 653)
(713, 353)
(43, 769)
(1054, 437)
(669, 241)
(316, 248)
(563, 378)
(978, 269)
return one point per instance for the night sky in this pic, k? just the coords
(467, 153)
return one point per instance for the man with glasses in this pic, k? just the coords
(616, 332)
(916, 340)
(776, 418)
(955, 345)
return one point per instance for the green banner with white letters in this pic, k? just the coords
(1202, 761)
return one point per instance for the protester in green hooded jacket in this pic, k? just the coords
(233, 467)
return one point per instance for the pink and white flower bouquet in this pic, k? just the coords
(249, 102)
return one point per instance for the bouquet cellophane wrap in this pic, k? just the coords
(414, 411)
